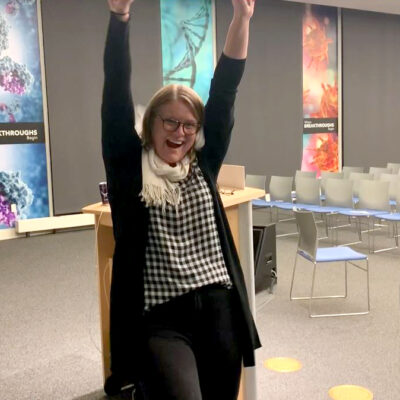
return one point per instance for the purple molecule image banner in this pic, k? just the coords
(23, 161)
(23, 183)
(20, 73)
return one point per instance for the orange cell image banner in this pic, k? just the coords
(320, 89)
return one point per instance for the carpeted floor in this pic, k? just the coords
(49, 324)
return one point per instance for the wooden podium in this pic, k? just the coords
(239, 213)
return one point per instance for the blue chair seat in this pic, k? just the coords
(392, 202)
(261, 203)
(332, 254)
(318, 209)
(284, 205)
(390, 217)
(303, 206)
(361, 213)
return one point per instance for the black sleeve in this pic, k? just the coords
(218, 122)
(119, 139)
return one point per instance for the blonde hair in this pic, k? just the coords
(166, 94)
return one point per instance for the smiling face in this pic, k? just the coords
(172, 146)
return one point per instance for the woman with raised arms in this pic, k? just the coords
(180, 322)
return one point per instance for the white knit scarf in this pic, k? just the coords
(160, 180)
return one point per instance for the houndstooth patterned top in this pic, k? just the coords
(184, 250)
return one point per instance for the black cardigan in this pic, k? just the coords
(122, 158)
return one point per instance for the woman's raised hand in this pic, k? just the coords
(237, 38)
(243, 8)
(120, 6)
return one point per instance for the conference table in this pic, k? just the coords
(238, 209)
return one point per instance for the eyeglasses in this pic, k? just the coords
(171, 125)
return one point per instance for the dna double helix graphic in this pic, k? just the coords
(194, 31)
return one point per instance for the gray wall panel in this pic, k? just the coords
(371, 88)
(267, 135)
(268, 130)
(74, 35)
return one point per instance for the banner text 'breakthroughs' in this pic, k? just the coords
(320, 125)
(21, 134)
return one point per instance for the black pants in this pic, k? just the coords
(194, 347)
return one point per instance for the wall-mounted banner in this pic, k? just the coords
(23, 165)
(320, 89)
(188, 43)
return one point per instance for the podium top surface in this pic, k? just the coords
(229, 200)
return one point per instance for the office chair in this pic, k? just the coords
(348, 170)
(308, 249)
(394, 167)
(377, 171)
(256, 181)
(392, 218)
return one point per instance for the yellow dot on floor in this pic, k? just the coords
(350, 392)
(283, 364)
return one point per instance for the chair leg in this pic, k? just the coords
(395, 236)
(340, 296)
(358, 223)
(345, 279)
(326, 225)
(312, 291)
(294, 271)
(285, 220)
(373, 234)
(358, 228)
(325, 219)
(352, 313)
(312, 297)
(325, 222)
(368, 302)
(336, 231)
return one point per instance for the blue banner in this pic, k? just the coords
(188, 43)
(23, 165)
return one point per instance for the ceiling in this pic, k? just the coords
(383, 6)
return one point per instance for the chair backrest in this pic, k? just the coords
(374, 195)
(280, 188)
(348, 170)
(304, 174)
(256, 181)
(308, 191)
(394, 182)
(308, 239)
(394, 167)
(329, 175)
(339, 193)
(356, 177)
(377, 171)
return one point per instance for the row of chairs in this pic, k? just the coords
(391, 168)
(352, 173)
(358, 197)
(375, 173)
